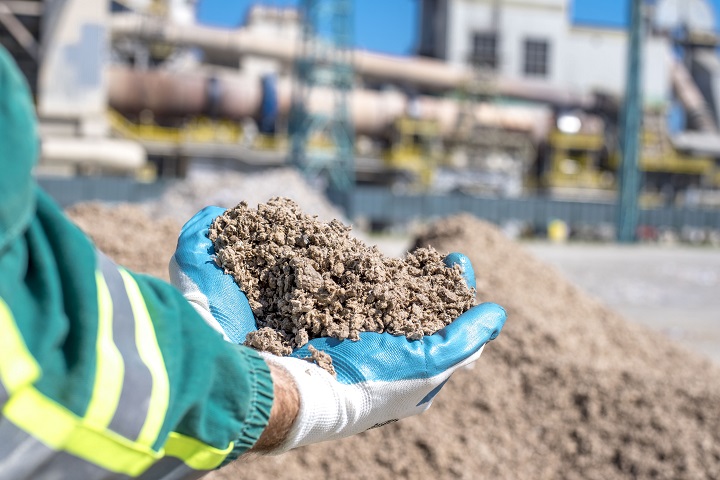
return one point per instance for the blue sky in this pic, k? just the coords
(389, 25)
(380, 25)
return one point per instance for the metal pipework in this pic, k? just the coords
(115, 154)
(240, 96)
(18, 30)
(173, 95)
(432, 74)
(216, 40)
(689, 94)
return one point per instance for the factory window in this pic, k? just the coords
(536, 58)
(484, 50)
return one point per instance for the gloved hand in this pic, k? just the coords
(215, 295)
(380, 378)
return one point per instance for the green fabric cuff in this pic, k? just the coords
(261, 403)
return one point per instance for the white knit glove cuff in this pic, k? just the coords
(328, 409)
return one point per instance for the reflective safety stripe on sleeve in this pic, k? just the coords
(151, 355)
(3, 394)
(45, 463)
(126, 411)
(186, 459)
(195, 453)
(136, 381)
(109, 365)
(29, 418)
(23, 457)
(131, 391)
(17, 367)
(97, 455)
(60, 429)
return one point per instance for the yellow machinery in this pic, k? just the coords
(575, 161)
(196, 130)
(270, 143)
(659, 156)
(582, 160)
(416, 148)
(172, 146)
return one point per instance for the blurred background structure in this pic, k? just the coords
(509, 110)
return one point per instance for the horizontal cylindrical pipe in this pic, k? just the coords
(218, 40)
(433, 74)
(239, 96)
(114, 154)
(168, 94)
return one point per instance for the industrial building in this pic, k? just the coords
(537, 41)
(505, 98)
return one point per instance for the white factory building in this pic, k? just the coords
(537, 41)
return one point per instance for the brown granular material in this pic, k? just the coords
(306, 279)
(128, 235)
(322, 359)
(572, 390)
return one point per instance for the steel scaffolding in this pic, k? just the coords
(322, 143)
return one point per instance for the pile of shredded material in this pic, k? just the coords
(569, 390)
(306, 279)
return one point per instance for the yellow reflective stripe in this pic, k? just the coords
(194, 453)
(151, 356)
(109, 366)
(17, 366)
(60, 429)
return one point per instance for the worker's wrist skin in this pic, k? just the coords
(285, 408)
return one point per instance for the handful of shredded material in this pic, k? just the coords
(306, 279)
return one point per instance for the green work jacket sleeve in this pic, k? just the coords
(103, 373)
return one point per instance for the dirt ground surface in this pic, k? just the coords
(569, 389)
(305, 278)
(675, 290)
(129, 236)
(668, 288)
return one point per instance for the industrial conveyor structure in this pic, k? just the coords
(154, 99)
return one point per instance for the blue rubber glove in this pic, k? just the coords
(380, 378)
(214, 294)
